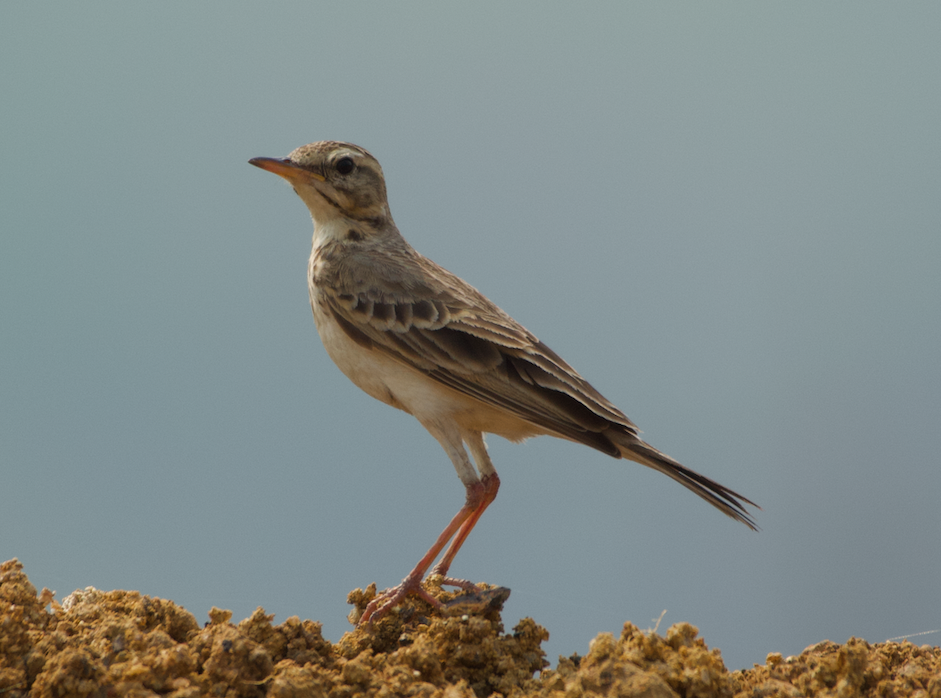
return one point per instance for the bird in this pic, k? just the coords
(417, 337)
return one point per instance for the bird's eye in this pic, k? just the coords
(345, 165)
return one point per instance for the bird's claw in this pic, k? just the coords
(473, 599)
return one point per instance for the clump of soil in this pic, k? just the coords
(121, 643)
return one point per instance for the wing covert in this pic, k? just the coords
(480, 351)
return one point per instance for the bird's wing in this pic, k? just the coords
(449, 331)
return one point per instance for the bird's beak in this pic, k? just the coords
(287, 169)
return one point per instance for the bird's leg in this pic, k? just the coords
(478, 498)
(481, 491)
(491, 484)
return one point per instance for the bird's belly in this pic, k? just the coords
(367, 368)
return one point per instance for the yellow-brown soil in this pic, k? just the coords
(121, 643)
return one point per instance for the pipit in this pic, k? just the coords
(416, 337)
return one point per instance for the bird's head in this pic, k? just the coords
(338, 181)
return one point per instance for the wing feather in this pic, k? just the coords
(473, 347)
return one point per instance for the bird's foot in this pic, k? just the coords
(441, 579)
(386, 600)
(472, 599)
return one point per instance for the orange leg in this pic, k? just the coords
(479, 497)
(491, 485)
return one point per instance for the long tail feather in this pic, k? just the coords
(722, 498)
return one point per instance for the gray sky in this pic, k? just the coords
(726, 217)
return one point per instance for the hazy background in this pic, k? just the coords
(726, 217)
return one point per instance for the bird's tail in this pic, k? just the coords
(722, 498)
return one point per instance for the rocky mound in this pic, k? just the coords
(121, 643)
